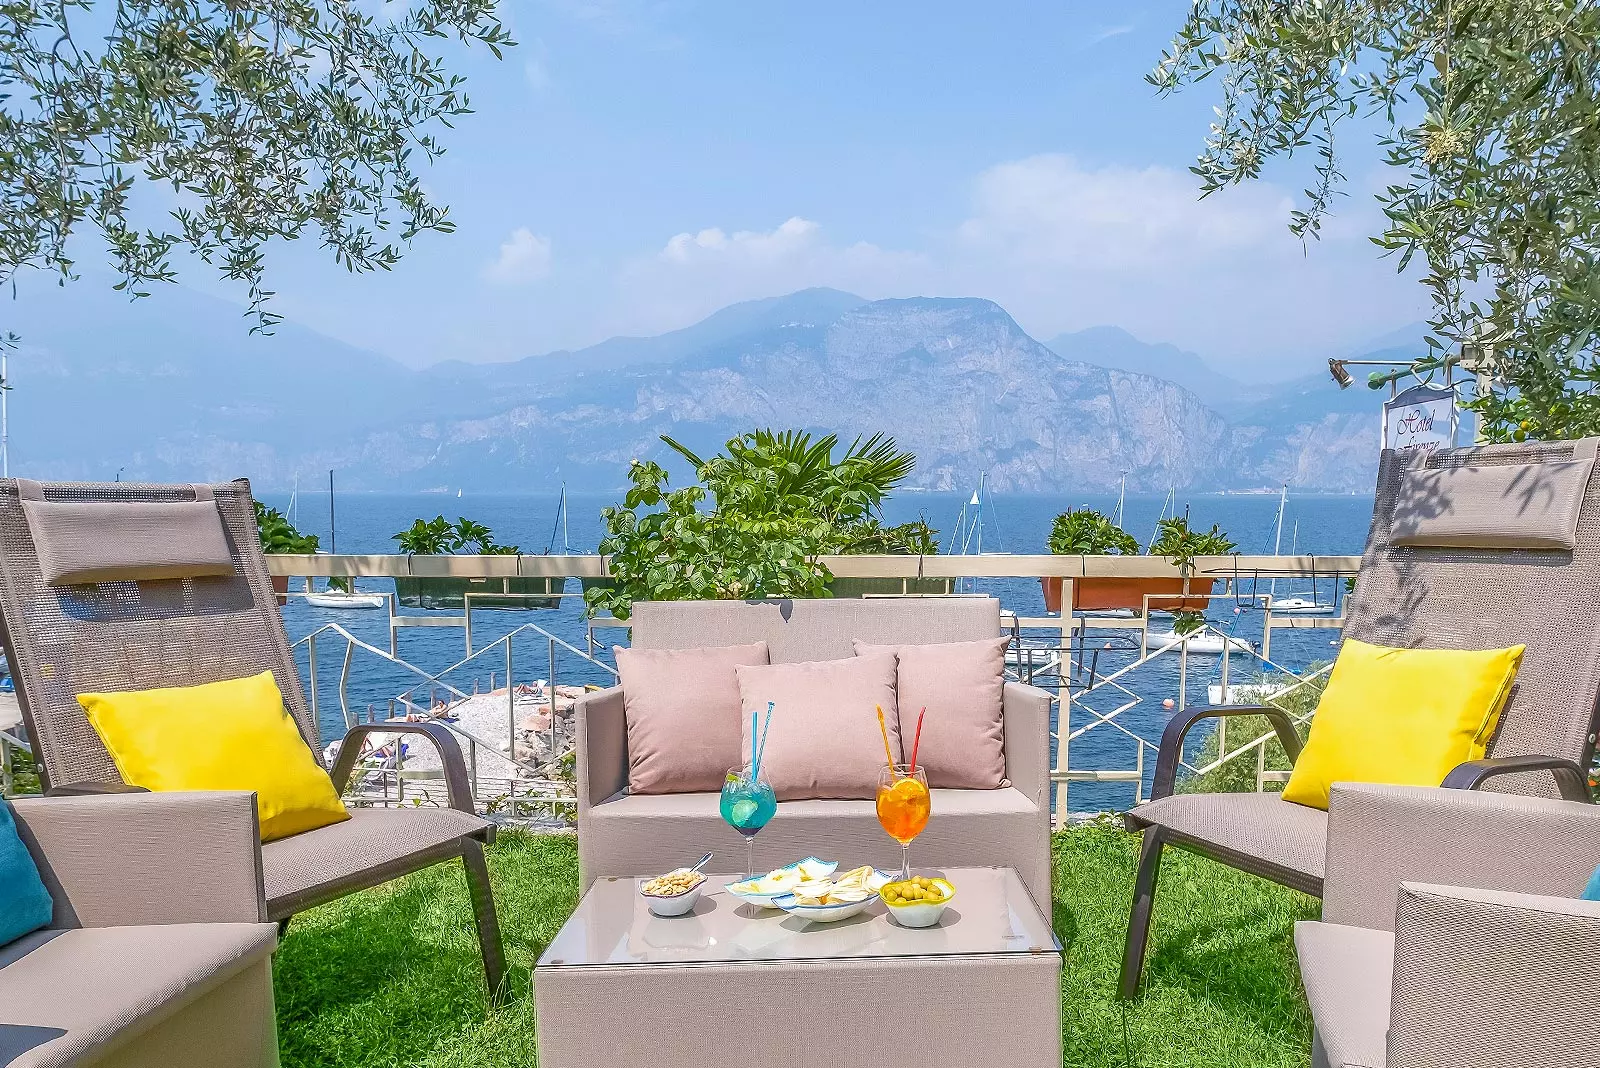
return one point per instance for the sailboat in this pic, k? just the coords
(1298, 604)
(342, 599)
(1202, 641)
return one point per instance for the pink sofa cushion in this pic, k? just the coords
(682, 708)
(962, 684)
(824, 740)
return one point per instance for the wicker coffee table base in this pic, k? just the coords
(1003, 1009)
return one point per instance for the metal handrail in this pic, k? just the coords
(352, 643)
(437, 679)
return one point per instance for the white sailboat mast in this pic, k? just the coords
(1277, 540)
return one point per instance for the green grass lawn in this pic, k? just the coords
(392, 977)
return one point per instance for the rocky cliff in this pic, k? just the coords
(956, 381)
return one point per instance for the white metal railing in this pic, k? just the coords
(384, 778)
(1091, 702)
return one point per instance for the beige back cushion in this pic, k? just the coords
(802, 630)
(1507, 506)
(682, 709)
(962, 685)
(823, 741)
(81, 542)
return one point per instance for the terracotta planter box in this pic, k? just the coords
(1099, 594)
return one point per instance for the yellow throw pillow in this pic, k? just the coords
(233, 735)
(1401, 716)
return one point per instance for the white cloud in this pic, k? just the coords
(1048, 209)
(694, 274)
(523, 258)
(1107, 33)
(1063, 246)
(536, 67)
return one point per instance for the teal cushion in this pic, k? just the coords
(1592, 891)
(25, 904)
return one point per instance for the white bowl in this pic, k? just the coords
(766, 901)
(921, 913)
(673, 904)
(822, 913)
(832, 913)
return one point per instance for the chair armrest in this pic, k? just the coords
(1381, 836)
(458, 788)
(88, 789)
(147, 858)
(602, 744)
(1490, 978)
(1570, 778)
(1027, 741)
(1170, 754)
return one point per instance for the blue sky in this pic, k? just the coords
(633, 166)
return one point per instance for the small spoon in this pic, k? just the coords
(703, 861)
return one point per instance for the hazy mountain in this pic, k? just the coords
(1110, 346)
(177, 390)
(155, 385)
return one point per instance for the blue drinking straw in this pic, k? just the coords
(763, 750)
(755, 761)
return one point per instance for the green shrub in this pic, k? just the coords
(777, 502)
(1086, 532)
(1239, 774)
(278, 535)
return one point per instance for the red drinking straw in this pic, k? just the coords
(917, 741)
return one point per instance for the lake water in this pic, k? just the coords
(1011, 523)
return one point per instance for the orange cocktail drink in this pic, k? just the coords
(903, 807)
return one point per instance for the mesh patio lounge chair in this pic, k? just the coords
(1477, 548)
(1451, 932)
(123, 586)
(158, 953)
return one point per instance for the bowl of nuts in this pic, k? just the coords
(674, 893)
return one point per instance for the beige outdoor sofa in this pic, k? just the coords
(622, 834)
(159, 954)
(1451, 932)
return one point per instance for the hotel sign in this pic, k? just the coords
(1422, 417)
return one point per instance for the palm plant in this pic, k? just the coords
(778, 501)
(786, 477)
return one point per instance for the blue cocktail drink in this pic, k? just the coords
(747, 805)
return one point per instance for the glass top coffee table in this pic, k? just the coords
(729, 982)
(992, 913)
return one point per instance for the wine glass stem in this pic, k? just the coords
(750, 854)
(905, 860)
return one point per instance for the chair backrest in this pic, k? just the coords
(801, 630)
(1488, 547)
(131, 633)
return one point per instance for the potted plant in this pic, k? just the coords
(1179, 544)
(279, 537)
(440, 537)
(1086, 532)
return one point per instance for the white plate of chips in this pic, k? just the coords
(762, 890)
(836, 897)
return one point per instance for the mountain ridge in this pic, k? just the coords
(955, 379)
